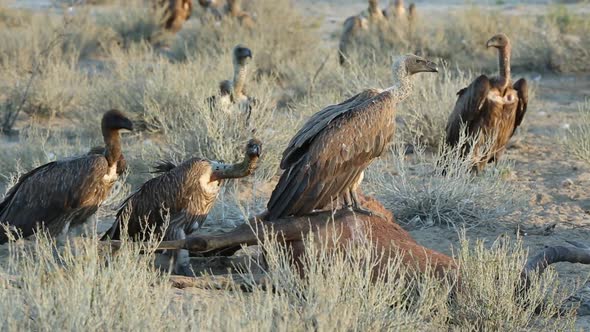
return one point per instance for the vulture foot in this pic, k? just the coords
(366, 212)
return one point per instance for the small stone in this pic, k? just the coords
(567, 183)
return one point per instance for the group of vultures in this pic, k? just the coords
(322, 169)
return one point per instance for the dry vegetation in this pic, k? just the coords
(62, 69)
(87, 288)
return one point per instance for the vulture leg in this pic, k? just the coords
(358, 208)
(180, 257)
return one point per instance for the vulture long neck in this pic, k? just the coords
(238, 170)
(239, 79)
(112, 141)
(402, 86)
(504, 63)
(233, 7)
(374, 10)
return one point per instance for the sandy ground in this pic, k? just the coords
(555, 181)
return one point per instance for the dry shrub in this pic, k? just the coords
(578, 137)
(418, 193)
(87, 288)
(494, 299)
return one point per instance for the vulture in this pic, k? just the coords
(232, 92)
(185, 193)
(326, 159)
(233, 9)
(355, 25)
(397, 9)
(491, 107)
(212, 7)
(67, 192)
(176, 13)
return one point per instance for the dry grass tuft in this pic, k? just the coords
(418, 193)
(578, 138)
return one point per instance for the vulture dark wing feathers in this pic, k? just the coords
(468, 105)
(319, 121)
(328, 153)
(26, 208)
(523, 97)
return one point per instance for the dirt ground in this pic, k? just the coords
(554, 180)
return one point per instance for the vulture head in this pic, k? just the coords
(414, 64)
(115, 120)
(412, 10)
(205, 3)
(242, 55)
(254, 148)
(498, 41)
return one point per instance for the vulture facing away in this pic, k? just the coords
(64, 193)
(355, 25)
(186, 193)
(233, 92)
(177, 12)
(326, 159)
(492, 107)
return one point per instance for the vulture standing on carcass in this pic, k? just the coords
(176, 13)
(232, 92)
(326, 159)
(354, 25)
(185, 193)
(492, 107)
(67, 192)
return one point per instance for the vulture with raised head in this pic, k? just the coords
(491, 107)
(396, 9)
(185, 194)
(63, 193)
(354, 25)
(233, 92)
(176, 13)
(326, 159)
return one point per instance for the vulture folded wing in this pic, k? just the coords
(148, 205)
(318, 122)
(52, 191)
(523, 97)
(467, 108)
(329, 154)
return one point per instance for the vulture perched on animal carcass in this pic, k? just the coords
(492, 107)
(326, 159)
(233, 92)
(176, 13)
(354, 25)
(185, 194)
(64, 193)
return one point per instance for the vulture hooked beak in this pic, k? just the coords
(431, 67)
(254, 148)
(243, 53)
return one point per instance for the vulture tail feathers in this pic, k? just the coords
(163, 166)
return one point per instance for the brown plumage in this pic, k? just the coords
(326, 158)
(121, 163)
(185, 192)
(62, 193)
(234, 10)
(354, 26)
(491, 106)
(176, 13)
(233, 92)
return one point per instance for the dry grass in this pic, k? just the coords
(578, 138)
(87, 288)
(418, 193)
